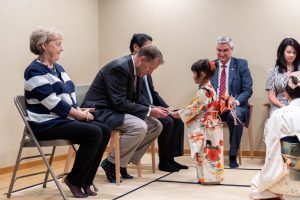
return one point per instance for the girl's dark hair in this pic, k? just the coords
(293, 93)
(139, 39)
(204, 66)
(280, 61)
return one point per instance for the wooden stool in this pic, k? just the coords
(113, 144)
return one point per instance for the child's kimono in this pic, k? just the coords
(205, 134)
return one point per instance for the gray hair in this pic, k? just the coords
(151, 52)
(225, 40)
(40, 36)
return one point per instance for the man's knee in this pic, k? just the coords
(158, 126)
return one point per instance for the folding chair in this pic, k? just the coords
(29, 140)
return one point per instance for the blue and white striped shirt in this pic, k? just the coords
(49, 94)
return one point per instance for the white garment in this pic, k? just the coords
(273, 178)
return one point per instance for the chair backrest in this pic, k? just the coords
(22, 108)
(20, 103)
(81, 91)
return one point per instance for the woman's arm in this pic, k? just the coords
(273, 99)
(81, 115)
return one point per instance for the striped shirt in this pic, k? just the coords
(49, 94)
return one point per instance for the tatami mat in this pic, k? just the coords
(160, 185)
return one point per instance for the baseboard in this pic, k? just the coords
(27, 165)
(244, 153)
(30, 164)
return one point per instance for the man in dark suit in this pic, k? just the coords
(233, 78)
(114, 94)
(171, 139)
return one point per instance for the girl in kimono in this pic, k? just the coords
(274, 180)
(205, 133)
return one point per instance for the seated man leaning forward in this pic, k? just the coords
(114, 93)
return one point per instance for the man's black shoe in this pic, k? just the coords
(110, 170)
(125, 174)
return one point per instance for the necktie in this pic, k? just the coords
(222, 86)
(148, 90)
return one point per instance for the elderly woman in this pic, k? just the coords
(54, 114)
(274, 179)
(288, 60)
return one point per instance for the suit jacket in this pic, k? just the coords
(239, 84)
(144, 96)
(113, 95)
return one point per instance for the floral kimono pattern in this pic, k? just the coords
(205, 134)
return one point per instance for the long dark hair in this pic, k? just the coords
(280, 61)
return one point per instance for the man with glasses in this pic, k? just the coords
(233, 78)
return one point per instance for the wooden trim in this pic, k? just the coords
(27, 165)
(245, 153)
(30, 164)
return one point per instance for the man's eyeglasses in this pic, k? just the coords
(223, 51)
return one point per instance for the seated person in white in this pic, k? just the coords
(274, 182)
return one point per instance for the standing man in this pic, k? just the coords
(114, 94)
(233, 77)
(171, 139)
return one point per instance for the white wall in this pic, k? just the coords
(98, 31)
(76, 19)
(185, 30)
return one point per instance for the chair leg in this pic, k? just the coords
(50, 162)
(51, 171)
(116, 141)
(70, 154)
(13, 178)
(139, 166)
(153, 156)
(250, 138)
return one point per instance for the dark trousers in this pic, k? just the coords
(235, 131)
(92, 138)
(171, 139)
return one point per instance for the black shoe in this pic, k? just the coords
(232, 162)
(178, 165)
(87, 190)
(76, 191)
(125, 174)
(110, 170)
(167, 166)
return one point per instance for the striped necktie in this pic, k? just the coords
(222, 86)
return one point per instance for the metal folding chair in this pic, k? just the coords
(29, 140)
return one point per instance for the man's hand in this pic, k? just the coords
(158, 112)
(175, 115)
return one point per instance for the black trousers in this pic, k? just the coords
(92, 138)
(171, 139)
(235, 131)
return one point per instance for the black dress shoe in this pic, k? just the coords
(125, 174)
(178, 165)
(232, 162)
(167, 166)
(76, 191)
(87, 190)
(110, 170)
